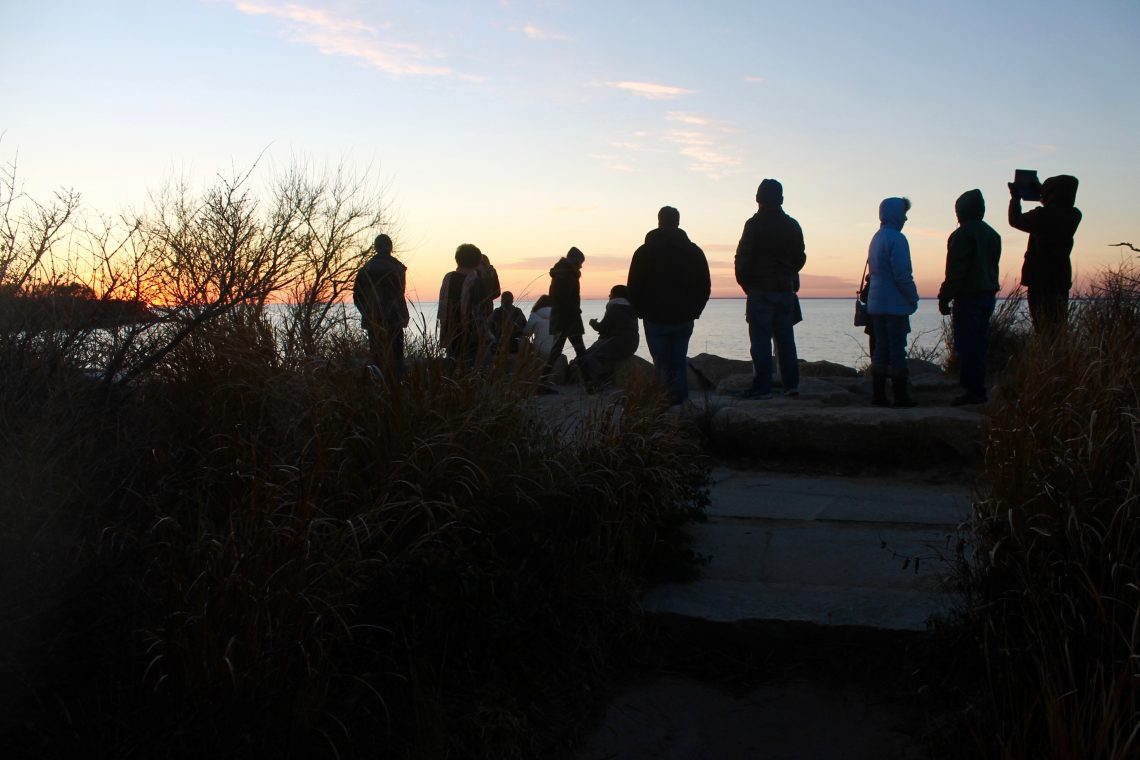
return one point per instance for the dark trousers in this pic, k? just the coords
(386, 346)
(1048, 306)
(771, 316)
(890, 343)
(556, 350)
(668, 344)
(970, 317)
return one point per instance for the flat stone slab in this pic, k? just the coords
(823, 550)
(797, 497)
(728, 601)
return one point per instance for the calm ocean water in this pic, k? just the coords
(825, 333)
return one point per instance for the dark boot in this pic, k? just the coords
(898, 386)
(879, 387)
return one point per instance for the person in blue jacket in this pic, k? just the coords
(891, 298)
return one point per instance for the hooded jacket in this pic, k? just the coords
(892, 290)
(1051, 228)
(565, 299)
(770, 253)
(972, 252)
(669, 280)
(378, 292)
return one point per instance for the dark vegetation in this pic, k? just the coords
(1051, 574)
(223, 536)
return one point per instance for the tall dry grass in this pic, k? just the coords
(264, 554)
(1053, 588)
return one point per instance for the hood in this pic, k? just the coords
(970, 206)
(618, 302)
(563, 268)
(1059, 191)
(892, 212)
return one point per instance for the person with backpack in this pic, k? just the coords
(378, 294)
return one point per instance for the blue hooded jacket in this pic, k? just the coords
(892, 289)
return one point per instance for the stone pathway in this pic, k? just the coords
(823, 550)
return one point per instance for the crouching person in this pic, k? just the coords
(617, 341)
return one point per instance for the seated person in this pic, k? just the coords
(507, 324)
(618, 338)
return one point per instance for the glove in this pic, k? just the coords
(594, 324)
(943, 307)
(1013, 191)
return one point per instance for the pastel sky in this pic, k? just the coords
(529, 127)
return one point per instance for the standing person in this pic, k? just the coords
(378, 294)
(769, 258)
(617, 337)
(969, 292)
(508, 323)
(669, 285)
(1048, 273)
(892, 297)
(462, 325)
(566, 308)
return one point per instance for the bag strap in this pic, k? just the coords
(863, 279)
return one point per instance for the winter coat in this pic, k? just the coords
(669, 279)
(378, 292)
(770, 253)
(1051, 228)
(565, 299)
(972, 252)
(459, 312)
(892, 289)
(618, 339)
(507, 324)
(539, 326)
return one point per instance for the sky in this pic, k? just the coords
(530, 127)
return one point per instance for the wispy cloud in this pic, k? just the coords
(541, 35)
(333, 34)
(1045, 149)
(756, 80)
(650, 90)
(702, 141)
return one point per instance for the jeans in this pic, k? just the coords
(1048, 306)
(669, 346)
(970, 318)
(770, 316)
(556, 351)
(386, 345)
(890, 342)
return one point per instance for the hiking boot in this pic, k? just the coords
(899, 388)
(879, 388)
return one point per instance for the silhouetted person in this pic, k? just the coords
(489, 280)
(566, 307)
(462, 323)
(378, 294)
(617, 337)
(508, 323)
(669, 285)
(1048, 273)
(969, 292)
(768, 260)
(891, 298)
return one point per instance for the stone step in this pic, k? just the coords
(736, 601)
(831, 551)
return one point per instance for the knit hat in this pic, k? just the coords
(770, 193)
(574, 256)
